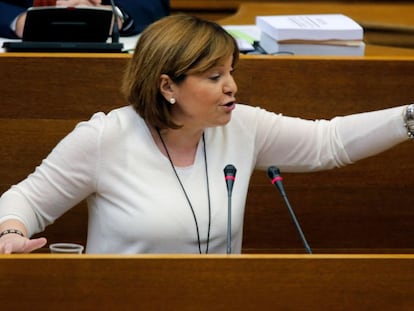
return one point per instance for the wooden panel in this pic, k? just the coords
(364, 207)
(62, 86)
(82, 282)
(74, 87)
(316, 87)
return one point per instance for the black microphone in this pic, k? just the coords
(115, 27)
(276, 179)
(230, 177)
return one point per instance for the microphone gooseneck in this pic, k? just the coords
(274, 174)
(229, 177)
(115, 27)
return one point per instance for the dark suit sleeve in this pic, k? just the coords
(141, 13)
(8, 14)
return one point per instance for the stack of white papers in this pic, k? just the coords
(312, 34)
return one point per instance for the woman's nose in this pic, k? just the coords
(230, 87)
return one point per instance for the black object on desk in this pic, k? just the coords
(66, 29)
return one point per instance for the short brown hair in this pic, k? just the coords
(175, 45)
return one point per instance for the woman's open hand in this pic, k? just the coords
(14, 243)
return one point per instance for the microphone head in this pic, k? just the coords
(273, 172)
(229, 177)
(230, 170)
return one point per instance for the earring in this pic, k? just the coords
(172, 101)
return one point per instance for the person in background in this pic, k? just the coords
(152, 170)
(136, 14)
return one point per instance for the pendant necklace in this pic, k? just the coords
(186, 195)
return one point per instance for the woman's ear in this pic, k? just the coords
(166, 87)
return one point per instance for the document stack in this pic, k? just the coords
(311, 34)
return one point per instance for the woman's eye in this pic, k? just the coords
(214, 77)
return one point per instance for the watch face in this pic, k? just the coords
(409, 121)
(410, 112)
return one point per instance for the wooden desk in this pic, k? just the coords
(365, 207)
(218, 9)
(283, 282)
(384, 23)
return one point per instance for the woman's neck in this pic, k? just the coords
(180, 144)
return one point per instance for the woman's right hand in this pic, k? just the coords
(14, 243)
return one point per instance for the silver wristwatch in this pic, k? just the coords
(409, 120)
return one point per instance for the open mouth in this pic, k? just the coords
(229, 104)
